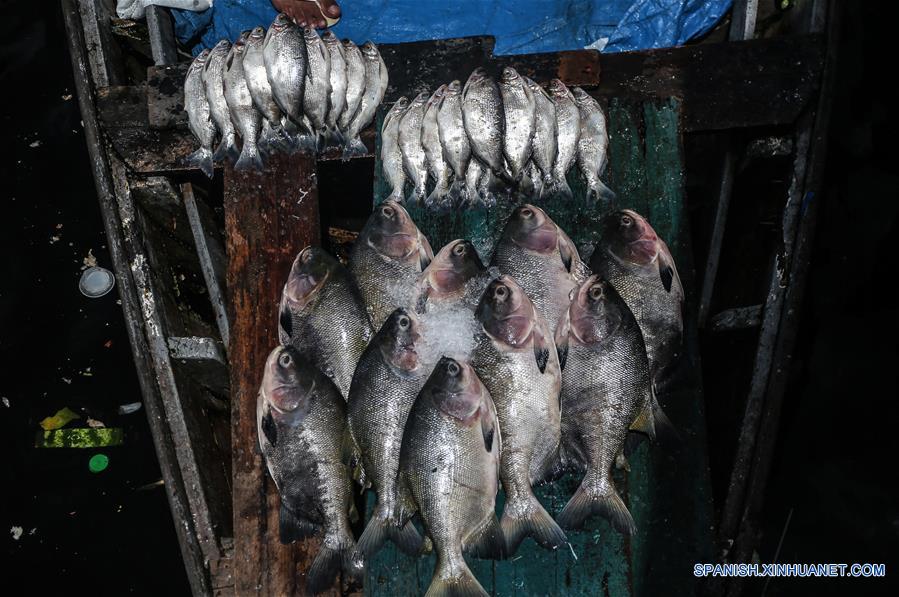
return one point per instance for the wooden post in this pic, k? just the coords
(269, 217)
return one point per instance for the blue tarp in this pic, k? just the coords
(519, 26)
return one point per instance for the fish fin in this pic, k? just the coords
(667, 269)
(250, 159)
(351, 455)
(333, 137)
(292, 527)
(395, 195)
(596, 496)
(487, 541)
(644, 422)
(381, 528)
(557, 188)
(227, 149)
(621, 462)
(458, 192)
(201, 159)
(405, 503)
(269, 429)
(425, 252)
(563, 328)
(456, 582)
(529, 518)
(666, 432)
(541, 349)
(354, 148)
(600, 192)
(329, 561)
(285, 325)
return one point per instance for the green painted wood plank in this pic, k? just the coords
(667, 489)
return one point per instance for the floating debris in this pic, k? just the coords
(62, 418)
(131, 407)
(16, 533)
(96, 281)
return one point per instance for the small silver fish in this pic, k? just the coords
(337, 101)
(482, 113)
(240, 103)
(414, 159)
(546, 140)
(454, 139)
(272, 134)
(214, 82)
(391, 154)
(284, 55)
(593, 146)
(355, 84)
(430, 141)
(199, 115)
(376, 80)
(519, 114)
(316, 99)
(568, 129)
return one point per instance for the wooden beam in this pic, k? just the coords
(269, 217)
(162, 35)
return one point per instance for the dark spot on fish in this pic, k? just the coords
(269, 429)
(667, 276)
(434, 470)
(286, 322)
(230, 61)
(488, 439)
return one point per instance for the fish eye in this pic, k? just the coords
(453, 368)
(403, 322)
(527, 212)
(459, 249)
(596, 292)
(387, 211)
(285, 360)
(626, 220)
(501, 292)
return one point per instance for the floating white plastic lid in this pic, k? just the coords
(95, 282)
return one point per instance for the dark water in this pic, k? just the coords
(107, 533)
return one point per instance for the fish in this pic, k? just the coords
(515, 357)
(199, 115)
(376, 80)
(316, 98)
(541, 258)
(387, 380)
(272, 134)
(456, 275)
(568, 130)
(482, 113)
(337, 99)
(454, 139)
(391, 154)
(430, 141)
(546, 137)
(387, 260)
(639, 264)
(284, 55)
(355, 84)
(593, 146)
(606, 385)
(301, 426)
(520, 121)
(449, 473)
(240, 103)
(473, 175)
(322, 315)
(214, 83)
(414, 159)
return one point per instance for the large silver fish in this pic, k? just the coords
(430, 141)
(546, 136)
(456, 276)
(355, 84)
(414, 160)
(284, 55)
(322, 316)
(518, 110)
(515, 356)
(272, 134)
(388, 259)
(199, 116)
(449, 466)
(301, 424)
(388, 378)
(542, 259)
(568, 129)
(391, 154)
(376, 80)
(337, 99)
(482, 113)
(593, 146)
(454, 139)
(638, 263)
(606, 385)
(240, 103)
(316, 98)
(214, 82)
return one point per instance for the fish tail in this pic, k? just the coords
(666, 432)
(354, 148)
(558, 187)
(250, 158)
(453, 578)
(525, 516)
(333, 137)
(226, 149)
(415, 196)
(334, 556)
(273, 138)
(381, 528)
(596, 495)
(201, 159)
(599, 192)
(487, 541)
(293, 528)
(458, 191)
(396, 194)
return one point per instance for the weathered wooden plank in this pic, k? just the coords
(103, 54)
(165, 96)
(269, 217)
(162, 35)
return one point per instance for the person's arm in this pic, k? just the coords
(306, 13)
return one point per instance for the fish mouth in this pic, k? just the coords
(510, 74)
(257, 33)
(282, 21)
(643, 250)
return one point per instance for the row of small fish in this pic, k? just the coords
(282, 89)
(561, 364)
(476, 140)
